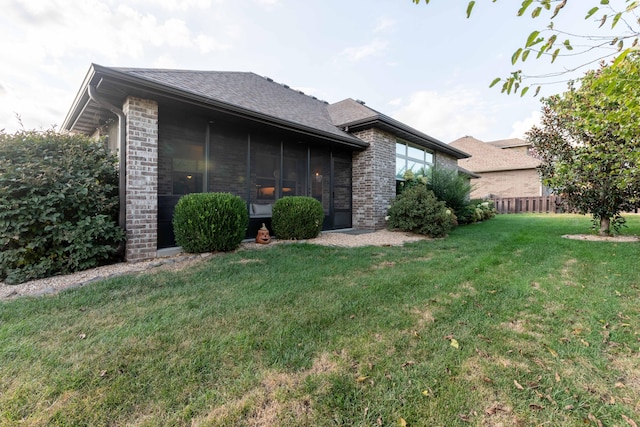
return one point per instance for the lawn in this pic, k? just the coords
(503, 323)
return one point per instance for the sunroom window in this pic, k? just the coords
(411, 158)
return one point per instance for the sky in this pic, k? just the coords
(425, 65)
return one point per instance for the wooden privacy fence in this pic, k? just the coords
(545, 204)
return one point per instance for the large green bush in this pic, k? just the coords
(208, 222)
(58, 205)
(418, 210)
(297, 217)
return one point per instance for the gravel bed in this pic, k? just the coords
(52, 285)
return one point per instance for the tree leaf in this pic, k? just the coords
(515, 56)
(558, 8)
(470, 8)
(591, 12)
(554, 55)
(518, 385)
(523, 8)
(616, 18)
(454, 343)
(402, 422)
(495, 82)
(532, 38)
(536, 12)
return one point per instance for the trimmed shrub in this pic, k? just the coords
(418, 210)
(297, 218)
(208, 222)
(58, 205)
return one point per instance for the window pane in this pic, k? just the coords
(401, 149)
(401, 167)
(429, 157)
(415, 153)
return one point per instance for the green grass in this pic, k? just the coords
(547, 332)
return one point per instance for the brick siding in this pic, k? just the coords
(516, 183)
(142, 178)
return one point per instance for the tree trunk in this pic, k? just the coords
(605, 226)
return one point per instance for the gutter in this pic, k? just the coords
(122, 156)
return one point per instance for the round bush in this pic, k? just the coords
(297, 218)
(418, 210)
(208, 222)
(58, 205)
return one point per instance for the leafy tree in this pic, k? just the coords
(589, 143)
(551, 42)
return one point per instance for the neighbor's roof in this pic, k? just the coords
(509, 143)
(488, 158)
(353, 115)
(243, 94)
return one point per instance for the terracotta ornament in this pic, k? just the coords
(263, 236)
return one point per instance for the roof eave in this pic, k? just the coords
(406, 132)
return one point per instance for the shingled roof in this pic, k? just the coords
(488, 158)
(240, 93)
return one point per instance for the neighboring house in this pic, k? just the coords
(178, 132)
(513, 144)
(504, 167)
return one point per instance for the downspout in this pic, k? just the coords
(122, 156)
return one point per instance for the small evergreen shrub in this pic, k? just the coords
(297, 218)
(58, 205)
(418, 210)
(208, 222)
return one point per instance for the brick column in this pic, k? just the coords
(142, 178)
(374, 179)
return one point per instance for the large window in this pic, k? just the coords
(411, 158)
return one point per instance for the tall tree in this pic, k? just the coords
(549, 41)
(589, 142)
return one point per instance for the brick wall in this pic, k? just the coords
(516, 183)
(374, 179)
(142, 178)
(446, 160)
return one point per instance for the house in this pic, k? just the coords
(505, 167)
(178, 132)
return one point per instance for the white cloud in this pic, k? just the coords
(446, 115)
(520, 127)
(395, 102)
(375, 47)
(384, 24)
